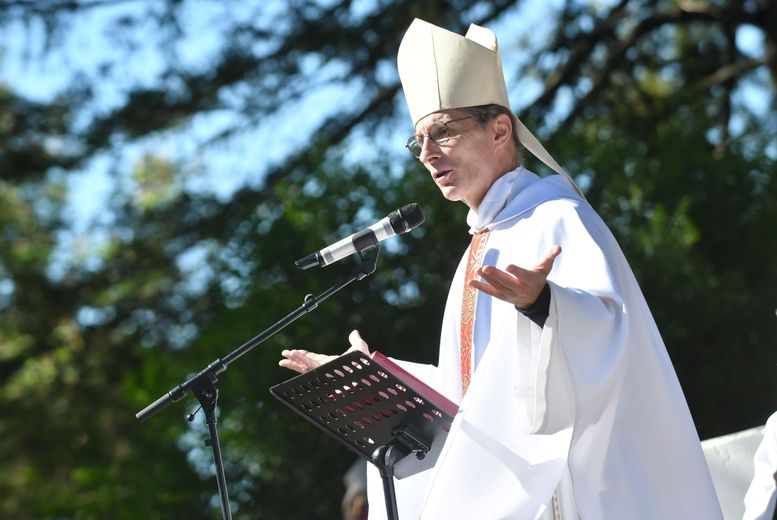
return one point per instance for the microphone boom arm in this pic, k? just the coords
(203, 385)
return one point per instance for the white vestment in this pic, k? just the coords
(761, 497)
(587, 407)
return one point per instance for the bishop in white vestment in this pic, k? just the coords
(569, 406)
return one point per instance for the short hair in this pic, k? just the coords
(485, 113)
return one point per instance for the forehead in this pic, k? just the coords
(436, 117)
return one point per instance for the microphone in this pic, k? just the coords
(397, 222)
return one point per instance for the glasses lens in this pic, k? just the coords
(439, 133)
(413, 146)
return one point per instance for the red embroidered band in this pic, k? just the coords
(468, 300)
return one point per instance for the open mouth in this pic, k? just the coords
(440, 175)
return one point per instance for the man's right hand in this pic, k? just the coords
(301, 360)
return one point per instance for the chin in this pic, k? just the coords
(449, 193)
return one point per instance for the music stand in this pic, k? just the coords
(376, 409)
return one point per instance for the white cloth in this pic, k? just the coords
(762, 494)
(589, 404)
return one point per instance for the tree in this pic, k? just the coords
(648, 102)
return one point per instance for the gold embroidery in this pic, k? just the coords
(468, 303)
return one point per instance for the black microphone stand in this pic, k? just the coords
(203, 385)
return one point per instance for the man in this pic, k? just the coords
(568, 404)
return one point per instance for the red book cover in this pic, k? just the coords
(432, 395)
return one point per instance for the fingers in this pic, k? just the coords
(547, 263)
(496, 283)
(501, 279)
(486, 288)
(357, 343)
(301, 360)
(293, 360)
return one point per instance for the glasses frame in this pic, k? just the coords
(413, 144)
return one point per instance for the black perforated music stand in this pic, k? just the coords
(378, 410)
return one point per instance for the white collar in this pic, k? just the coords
(504, 189)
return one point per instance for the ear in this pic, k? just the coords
(502, 130)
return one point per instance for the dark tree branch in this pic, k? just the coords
(583, 47)
(729, 58)
(52, 7)
(574, 67)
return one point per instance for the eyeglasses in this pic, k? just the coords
(439, 133)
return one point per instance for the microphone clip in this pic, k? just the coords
(368, 263)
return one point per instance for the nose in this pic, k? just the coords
(430, 151)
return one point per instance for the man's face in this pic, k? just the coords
(463, 166)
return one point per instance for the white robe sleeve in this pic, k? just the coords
(570, 371)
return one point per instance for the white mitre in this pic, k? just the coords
(441, 70)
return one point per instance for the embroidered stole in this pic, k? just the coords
(468, 300)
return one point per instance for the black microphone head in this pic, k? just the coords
(312, 260)
(406, 218)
